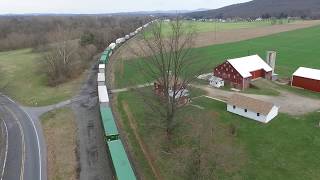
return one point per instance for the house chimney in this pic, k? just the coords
(271, 60)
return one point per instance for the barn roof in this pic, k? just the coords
(308, 73)
(247, 64)
(251, 104)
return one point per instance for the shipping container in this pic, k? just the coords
(103, 94)
(109, 125)
(121, 163)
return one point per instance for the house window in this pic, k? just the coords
(258, 114)
(245, 110)
(234, 107)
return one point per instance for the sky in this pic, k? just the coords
(106, 6)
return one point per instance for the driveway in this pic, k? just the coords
(289, 103)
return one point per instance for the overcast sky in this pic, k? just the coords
(106, 6)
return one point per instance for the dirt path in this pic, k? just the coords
(227, 36)
(143, 147)
(289, 103)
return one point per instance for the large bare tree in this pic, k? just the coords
(167, 61)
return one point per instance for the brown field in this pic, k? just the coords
(60, 135)
(130, 49)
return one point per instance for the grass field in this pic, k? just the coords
(60, 133)
(294, 49)
(230, 147)
(26, 84)
(201, 27)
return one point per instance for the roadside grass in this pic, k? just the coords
(232, 147)
(60, 134)
(26, 84)
(294, 49)
(200, 27)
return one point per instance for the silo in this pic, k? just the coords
(271, 60)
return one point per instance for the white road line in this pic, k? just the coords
(22, 142)
(6, 153)
(35, 129)
(38, 142)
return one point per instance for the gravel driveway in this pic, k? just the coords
(289, 103)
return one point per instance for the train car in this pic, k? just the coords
(121, 163)
(132, 34)
(103, 95)
(127, 37)
(109, 125)
(101, 79)
(112, 46)
(102, 68)
(120, 40)
(104, 59)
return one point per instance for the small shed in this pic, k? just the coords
(101, 79)
(252, 108)
(102, 68)
(216, 82)
(306, 78)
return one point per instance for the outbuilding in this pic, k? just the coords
(306, 78)
(216, 82)
(252, 108)
(240, 72)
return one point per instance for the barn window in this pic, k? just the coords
(234, 107)
(258, 114)
(245, 110)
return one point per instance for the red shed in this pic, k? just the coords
(306, 78)
(239, 72)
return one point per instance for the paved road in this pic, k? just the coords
(23, 160)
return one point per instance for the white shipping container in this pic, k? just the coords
(120, 40)
(112, 45)
(103, 94)
(101, 77)
(102, 68)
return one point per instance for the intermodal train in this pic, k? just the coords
(121, 164)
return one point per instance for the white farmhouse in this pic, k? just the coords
(252, 108)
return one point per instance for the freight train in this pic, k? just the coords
(121, 164)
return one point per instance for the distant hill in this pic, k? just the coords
(258, 8)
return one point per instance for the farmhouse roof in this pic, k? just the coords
(251, 104)
(248, 64)
(308, 73)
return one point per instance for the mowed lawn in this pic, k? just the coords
(294, 49)
(231, 147)
(25, 83)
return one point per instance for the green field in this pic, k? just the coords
(20, 71)
(294, 49)
(231, 147)
(201, 27)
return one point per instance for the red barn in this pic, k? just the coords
(239, 72)
(306, 78)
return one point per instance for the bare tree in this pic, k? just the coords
(60, 58)
(167, 61)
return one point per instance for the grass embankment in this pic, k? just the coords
(27, 84)
(229, 146)
(294, 49)
(60, 134)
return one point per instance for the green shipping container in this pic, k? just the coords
(120, 161)
(109, 125)
(104, 59)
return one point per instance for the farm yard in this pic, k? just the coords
(211, 143)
